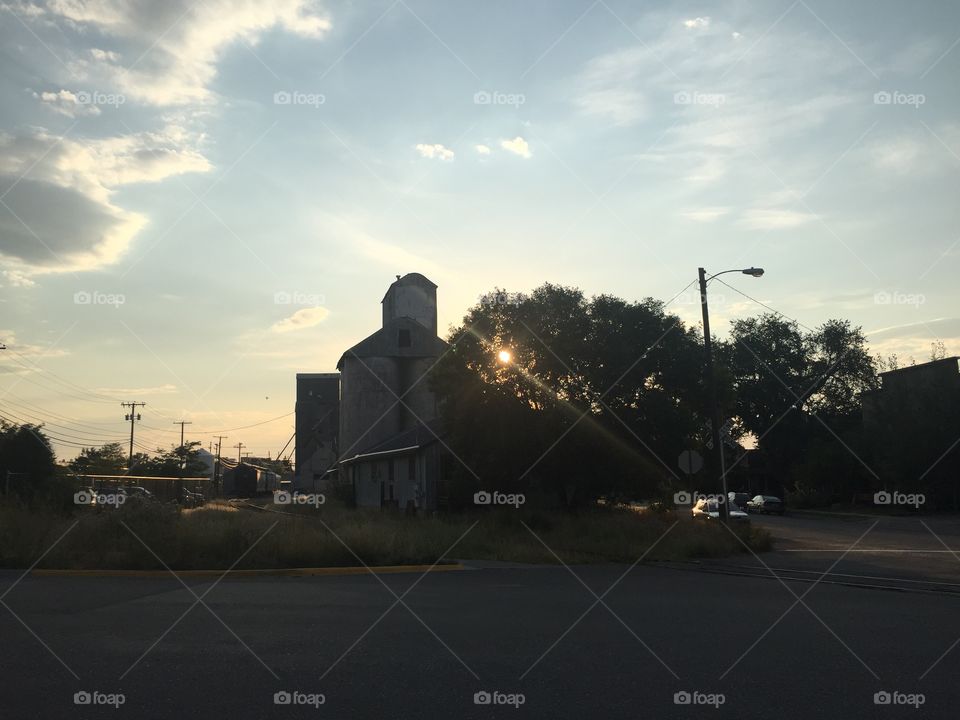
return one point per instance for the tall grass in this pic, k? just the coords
(149, 536)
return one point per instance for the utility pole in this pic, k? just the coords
(132, 416)
(216, 464)
(239, 447)
(717, 448)
(183, 457)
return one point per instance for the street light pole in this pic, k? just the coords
(712, 392)
(711, 380)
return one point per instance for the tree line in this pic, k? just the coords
(599, 396)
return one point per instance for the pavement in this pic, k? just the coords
(536, 634)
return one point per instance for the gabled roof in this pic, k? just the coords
(413, 278)
(383, 343)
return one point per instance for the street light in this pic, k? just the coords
(711, 381)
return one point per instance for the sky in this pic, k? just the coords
(200, 199)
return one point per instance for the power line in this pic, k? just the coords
(773, 310)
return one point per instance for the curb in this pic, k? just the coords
(269, 572)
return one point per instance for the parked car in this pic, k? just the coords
(740, 499)
(766, 504)
(191, 499)
(705, 509)
(140, 493)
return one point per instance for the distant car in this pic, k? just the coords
(705, 509)
(191, 499)
(766, 504)
(740, 499)
(135, 491)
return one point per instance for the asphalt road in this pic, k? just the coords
(512, 630)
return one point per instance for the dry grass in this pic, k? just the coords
(214, 537)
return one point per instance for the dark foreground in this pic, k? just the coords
(473, 631)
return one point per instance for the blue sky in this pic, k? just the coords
(201, 199)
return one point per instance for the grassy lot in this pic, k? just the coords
(215, 536)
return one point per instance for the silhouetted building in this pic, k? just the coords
(387, 439)
(317, 425)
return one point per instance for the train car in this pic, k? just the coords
(246, 480)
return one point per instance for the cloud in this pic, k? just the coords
(59, 214)
(931, 330)
(171, 49)
(518, 146)
(436, 150)
(482, 149)
(705, 214)
(301, 320)
(697, 22)
(774, 219)
(67, 103)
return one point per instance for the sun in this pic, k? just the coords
(504, 356)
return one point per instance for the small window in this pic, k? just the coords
(403, 337)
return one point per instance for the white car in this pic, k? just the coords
(705, 509)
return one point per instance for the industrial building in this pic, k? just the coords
(385, 441)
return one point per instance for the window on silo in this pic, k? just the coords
(403, 337)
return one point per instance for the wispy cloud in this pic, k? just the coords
(301, 320)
